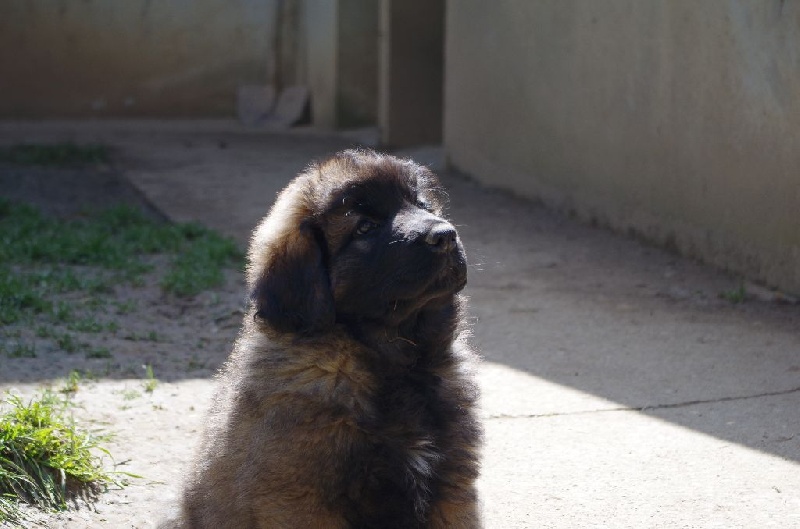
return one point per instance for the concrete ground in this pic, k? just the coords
(620, 388)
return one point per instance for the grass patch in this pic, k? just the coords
(45, 459)
(104, 250)
(65, 154)
(87, 325)
(71, 384)
(735, 295)
(150, 382)
(20, 350)
(130, 394)
(201, 263)
(125, 307)
(98, 352)
(67, 343)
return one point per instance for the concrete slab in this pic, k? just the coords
(621, 470)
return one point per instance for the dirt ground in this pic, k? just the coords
(184, 340)
(592, 342)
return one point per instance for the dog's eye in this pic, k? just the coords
(366, 226)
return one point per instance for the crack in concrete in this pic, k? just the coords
(645, 408)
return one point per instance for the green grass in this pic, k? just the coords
(87, 325)
(20, 350)
(67, 343)
(150, 382)
(99, 252)
(98, 352)
(735, 295)
(71, 384)
(200, 264)
(125, 307)
(130, 394)
(44, 457)
(55, 155)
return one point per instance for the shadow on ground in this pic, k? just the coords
(638, 327)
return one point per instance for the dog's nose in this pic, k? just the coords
(442, 238)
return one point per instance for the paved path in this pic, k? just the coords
(620, 390)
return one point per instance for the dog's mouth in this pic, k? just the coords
(448, 279)
(452, 279)
(419, 280)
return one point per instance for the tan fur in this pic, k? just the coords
(289, 409)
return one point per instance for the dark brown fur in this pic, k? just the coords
(347, 401)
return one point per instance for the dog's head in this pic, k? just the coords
(357, 238)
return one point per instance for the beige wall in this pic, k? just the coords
(676, 120)
(133, 57)
(185, 58)
(343, 61)
(410, 87)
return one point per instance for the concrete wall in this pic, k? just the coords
(133, 57)
(410, 87)
(185, 58)
(675, 120)
(343, 61)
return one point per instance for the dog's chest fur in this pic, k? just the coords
(405, 445)
(401, 417)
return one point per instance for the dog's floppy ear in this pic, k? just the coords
(287, 275)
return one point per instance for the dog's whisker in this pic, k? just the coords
(404, 340)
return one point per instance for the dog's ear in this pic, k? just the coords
(287, 273)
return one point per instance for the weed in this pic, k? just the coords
(55, 155)
(194, 364)
(71, 383)
(18, 295)
(87, 325)
(151, 336)
(200, 266)
(130, 394)
(66, 342)
(44, 457)
(11, 514)
(62, 313)
(98, 352)
(21, 350)
(736, 295)
(125, 307)
(150, 383)
(95, 303)
(43, 331)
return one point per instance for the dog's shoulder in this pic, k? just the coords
(267, 372)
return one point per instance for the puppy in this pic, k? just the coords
(347, 401)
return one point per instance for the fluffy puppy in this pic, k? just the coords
(347, 401)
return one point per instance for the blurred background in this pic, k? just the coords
(674, 121)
